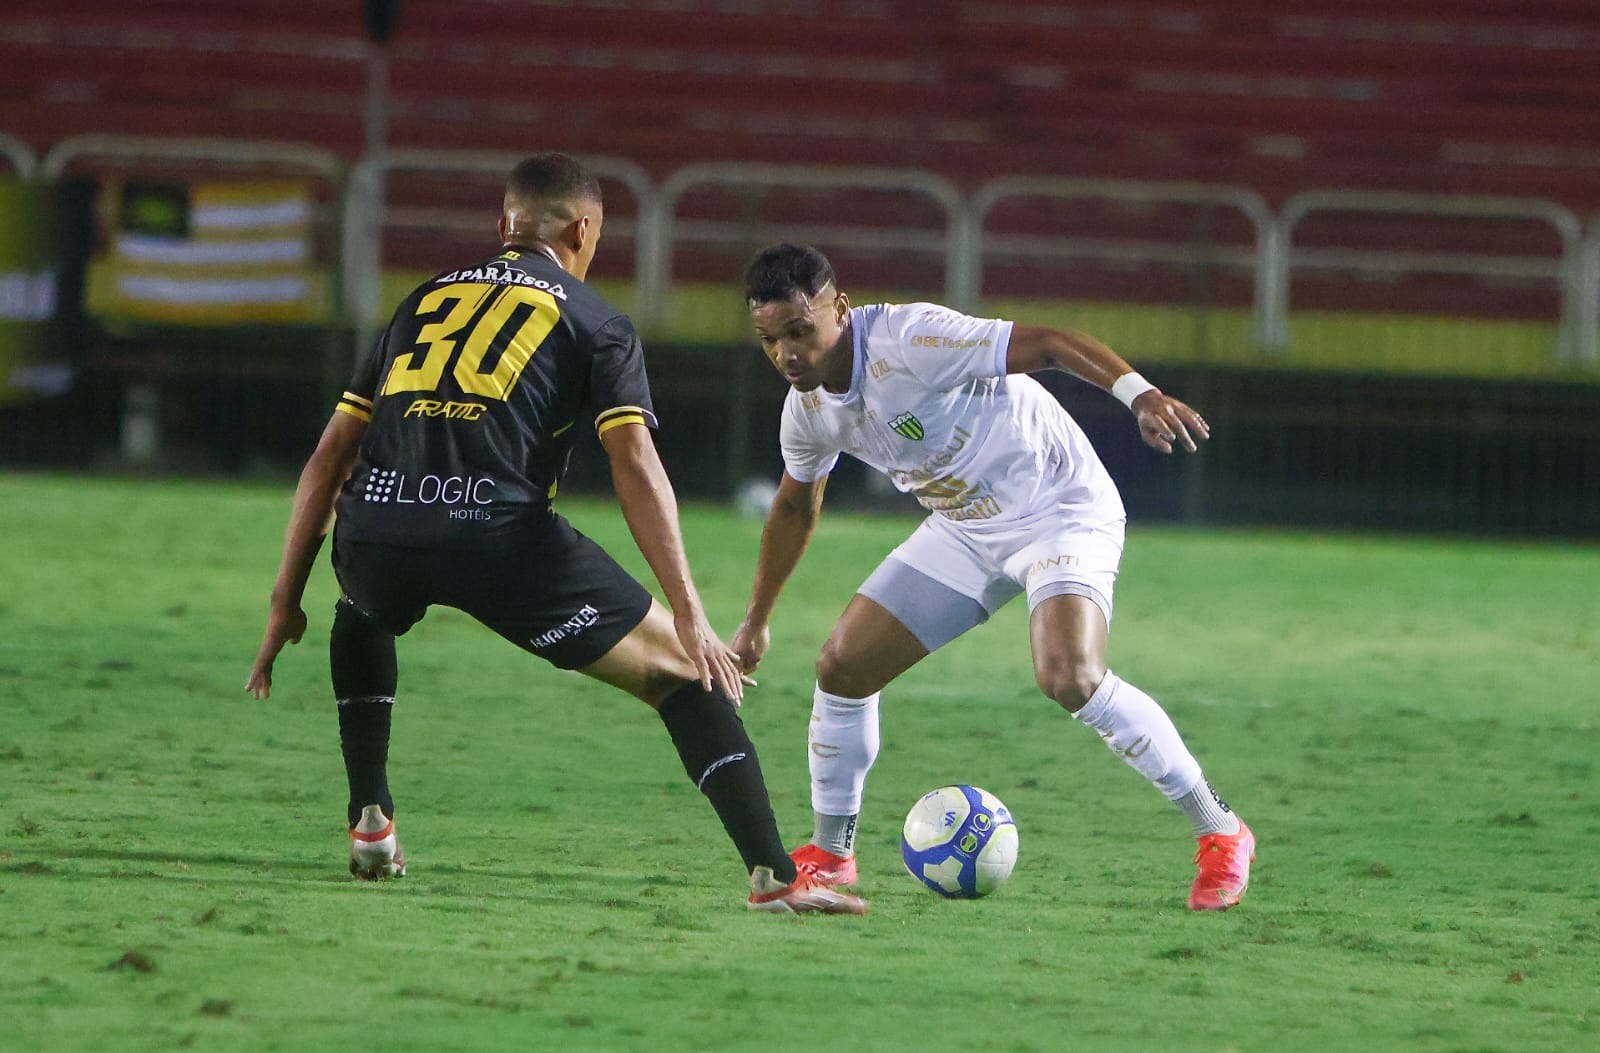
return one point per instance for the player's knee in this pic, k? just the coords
(1071, 680)
(838, 673)
(663, 682)
(361, 655)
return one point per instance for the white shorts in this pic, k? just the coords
(1059, 558)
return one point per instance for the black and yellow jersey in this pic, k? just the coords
(472, 395)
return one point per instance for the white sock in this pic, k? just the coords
(836, 833)
(841, 746)
(1139, 731)
(1208, 813)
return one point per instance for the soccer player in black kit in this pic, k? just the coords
(441, 461)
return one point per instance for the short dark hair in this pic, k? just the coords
(778, 272)
(553, 178)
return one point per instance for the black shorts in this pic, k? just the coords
(551, 591)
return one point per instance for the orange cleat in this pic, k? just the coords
(1224, 861)
(375, 852)
(824, 865)
(805, 895)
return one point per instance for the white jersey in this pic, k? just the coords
(931, 406)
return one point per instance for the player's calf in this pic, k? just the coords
(721, 761)
(365, 675)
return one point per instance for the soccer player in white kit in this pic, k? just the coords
(1019, 502)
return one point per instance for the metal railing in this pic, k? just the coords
(961, 241)
(1587, 310)
(1246, 202)
(207, 151)
(951, 243)
(1578, 338)
(23, 160)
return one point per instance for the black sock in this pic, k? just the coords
(364, 679)
(721, 761)
(364, 737)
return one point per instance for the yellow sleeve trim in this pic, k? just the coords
(355, 411)
(606, 425)
(351, 396)
(617, 411)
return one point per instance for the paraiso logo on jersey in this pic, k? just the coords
(907, 426)
(501, 273)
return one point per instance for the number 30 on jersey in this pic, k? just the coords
(505, 335)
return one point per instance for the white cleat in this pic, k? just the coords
(805, 895)
(375, 852)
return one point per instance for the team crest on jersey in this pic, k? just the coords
(908, 426)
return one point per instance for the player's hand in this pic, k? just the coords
(750, 643)
(714, 661)
(285, 625)
(1164, 420)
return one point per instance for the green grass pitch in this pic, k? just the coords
(1410, 725)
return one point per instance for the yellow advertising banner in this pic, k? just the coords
(215, 253)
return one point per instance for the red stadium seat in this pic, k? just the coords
(1498, 97)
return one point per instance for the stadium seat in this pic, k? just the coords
(1378, 94)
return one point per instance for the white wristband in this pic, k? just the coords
(1130, 386)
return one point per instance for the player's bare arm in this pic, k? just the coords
(309, 519)
(1162, 419)
(790, 524)
(651, 510)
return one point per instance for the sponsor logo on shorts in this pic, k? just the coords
(586, 617)
(462, 496)
(1052, 562)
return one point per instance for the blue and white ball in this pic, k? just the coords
(753, 499)
(960, 842)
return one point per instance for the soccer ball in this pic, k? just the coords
(960, 842)
(753, 499)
